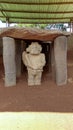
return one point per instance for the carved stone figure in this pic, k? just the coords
(34, 60)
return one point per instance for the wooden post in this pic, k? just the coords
(72, 27)
(7, 22)
(9, 61)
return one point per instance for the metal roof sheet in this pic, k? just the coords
(36, 11)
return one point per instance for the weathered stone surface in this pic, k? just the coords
(9, 61)
(34, 61)
(1, 47)
(31, 33)
(23, 48)
(60, 53)
(18, 54)
(53, 62)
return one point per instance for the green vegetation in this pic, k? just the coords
(59, 26)
(33, 25)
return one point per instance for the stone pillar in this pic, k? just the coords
(18, 58)
(72, 27)
(9, 61)
(23, 48)
(1, 47)
(53, 62)
(60, 53)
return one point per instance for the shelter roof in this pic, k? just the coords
(36, 11)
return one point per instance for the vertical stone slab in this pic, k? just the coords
(23, 48)
(9, 61)
(53, 62)
(18, 58)
(60, 53)
(1, 47)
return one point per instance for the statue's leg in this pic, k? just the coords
(38, 78)
(30, 78)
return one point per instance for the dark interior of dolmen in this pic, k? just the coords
(23, 44)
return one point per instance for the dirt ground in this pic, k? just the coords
(45, 98)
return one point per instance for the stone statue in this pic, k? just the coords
(34, 60)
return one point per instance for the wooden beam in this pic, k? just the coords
(7, 22)
(38, 22)
(36, 3)
(38, 18)
(3, 13)
(39, 12)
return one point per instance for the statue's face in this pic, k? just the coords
(35, 48)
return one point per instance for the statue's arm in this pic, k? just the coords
(42, 61)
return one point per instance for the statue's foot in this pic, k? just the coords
(37, 83)
(30, 84)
